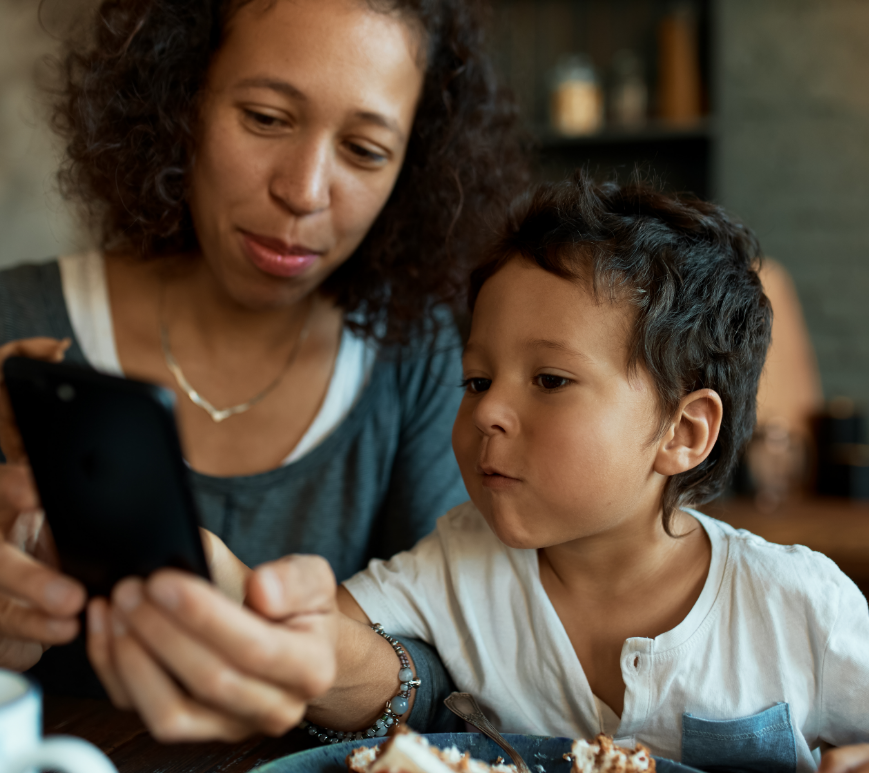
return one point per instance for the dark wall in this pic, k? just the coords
(792, 100)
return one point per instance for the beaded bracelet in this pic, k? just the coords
(393, 710)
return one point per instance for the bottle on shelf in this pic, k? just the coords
(679, 86)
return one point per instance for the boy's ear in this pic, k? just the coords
(691, 434)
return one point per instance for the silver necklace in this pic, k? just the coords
(221, 414)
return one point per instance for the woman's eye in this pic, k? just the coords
(476, 385)
(366, 155)
(549, 382)
(263, 120)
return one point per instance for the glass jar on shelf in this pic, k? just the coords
(628, 94)
(576, 102)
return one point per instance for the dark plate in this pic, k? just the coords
(537, 750)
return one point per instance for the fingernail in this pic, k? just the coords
(119, 628)
(58, 593)
(271, 586)
(128, 595)
(164, 592)
(96, 620)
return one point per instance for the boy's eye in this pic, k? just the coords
(549, 382)
(476, 385)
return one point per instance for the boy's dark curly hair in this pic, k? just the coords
(690, 272)
(128, 109)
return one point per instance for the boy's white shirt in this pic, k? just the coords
(773, 624)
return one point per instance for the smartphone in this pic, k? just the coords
(108, 465)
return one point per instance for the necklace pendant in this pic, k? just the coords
(219, 416)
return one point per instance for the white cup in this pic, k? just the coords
(22, 749)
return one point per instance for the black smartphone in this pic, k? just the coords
(108, 465)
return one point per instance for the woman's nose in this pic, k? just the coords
(302, 183)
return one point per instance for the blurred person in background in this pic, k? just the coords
(287, 192)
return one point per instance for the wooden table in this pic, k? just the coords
(131, 748)
(837, 528)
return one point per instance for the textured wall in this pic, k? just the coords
(793, 105)
(34, 222)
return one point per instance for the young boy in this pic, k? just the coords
(617, 340)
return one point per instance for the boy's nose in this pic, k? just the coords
(493, 415)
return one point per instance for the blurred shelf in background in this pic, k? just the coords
(613, 86)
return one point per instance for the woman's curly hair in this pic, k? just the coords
(128, 109)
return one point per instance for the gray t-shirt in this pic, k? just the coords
(372, 488)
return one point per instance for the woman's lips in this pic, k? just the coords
(274, 257)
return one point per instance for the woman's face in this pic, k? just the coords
(303, 129)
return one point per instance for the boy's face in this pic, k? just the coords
(553, 435)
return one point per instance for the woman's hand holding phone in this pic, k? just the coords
(242, 670)
(38, 605)
(247, 670)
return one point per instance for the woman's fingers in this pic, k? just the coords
(38, 605)
(169, 714)
(18, 654)
(49, 349)
(846, 759)
(99, 650)
(228, 572)
(17, 494)
(20, 621)
(299, 653)
(27, 580)
(300, 659)
(207, 675)
(40, 348)
(291, 587)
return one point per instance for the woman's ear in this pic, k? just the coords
(691, 434)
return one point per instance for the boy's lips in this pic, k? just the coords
(492, 478)
(276, 257)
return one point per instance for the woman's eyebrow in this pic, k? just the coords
(288, 90)
(275, 84)
(381, 120)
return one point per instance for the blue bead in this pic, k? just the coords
(405, 675)
(370, 732)
(381, 732)
(378, 724)
(399, 704)
(389, 721)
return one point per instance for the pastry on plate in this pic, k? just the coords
(602, 756)
(409, 752)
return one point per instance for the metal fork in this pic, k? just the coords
(464, 705)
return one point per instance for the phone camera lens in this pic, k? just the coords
(65, 392)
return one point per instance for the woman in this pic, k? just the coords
(286, 190)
